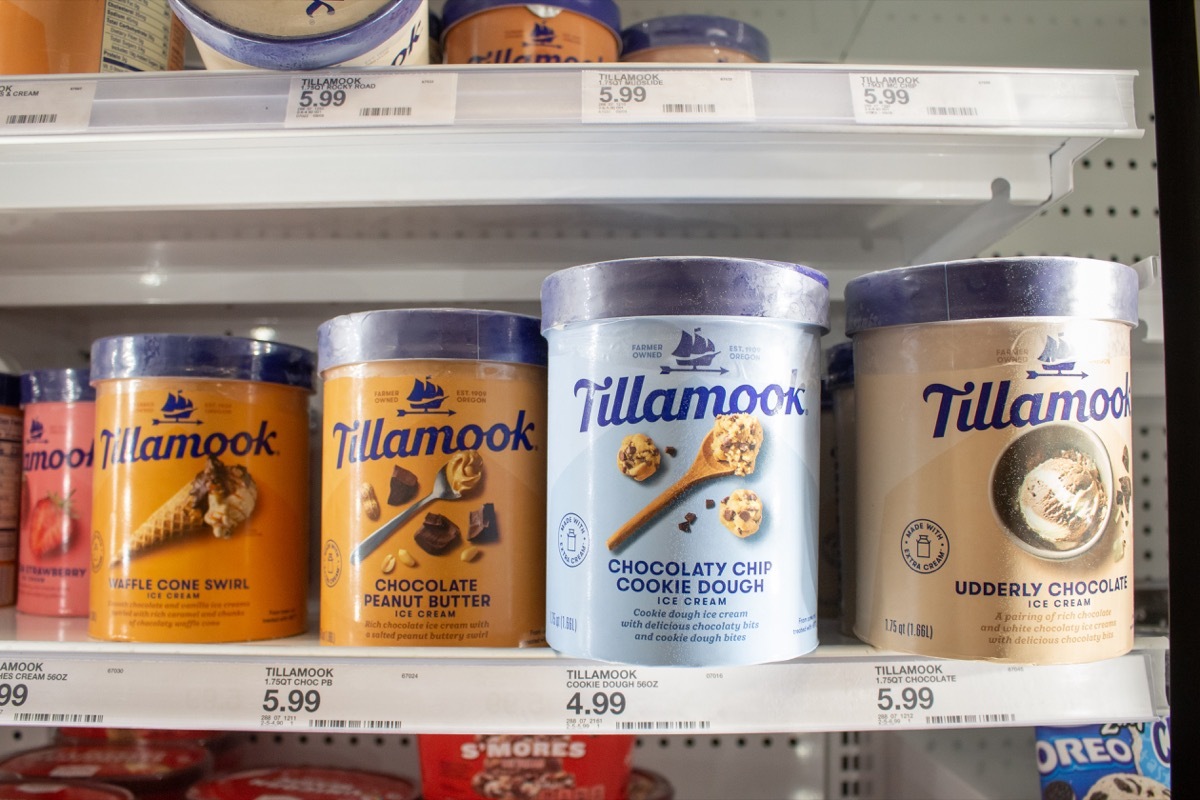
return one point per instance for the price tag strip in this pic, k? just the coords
(375, 694)
(373, 99)
(667, 96)
(932, 98)
(45, 106)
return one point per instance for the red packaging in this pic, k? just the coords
(525, 767)
(304, 783)
(61, 790)
(150, 772)
(56, 492)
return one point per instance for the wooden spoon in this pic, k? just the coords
(704, 467)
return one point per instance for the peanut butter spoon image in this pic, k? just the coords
(460, 474)
(704, 467)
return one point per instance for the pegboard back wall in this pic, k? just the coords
(1113, 211)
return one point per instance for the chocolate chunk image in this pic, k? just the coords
(482, 526)
(710, 503)
(437, 534)
(403, 486)
(1058, 790)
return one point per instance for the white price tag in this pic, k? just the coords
(45, 106)
(667, 96)
(887, 98)
(372, 100)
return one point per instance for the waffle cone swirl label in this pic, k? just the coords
(200, 520)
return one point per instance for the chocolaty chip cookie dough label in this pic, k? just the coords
(995, 513)
(682, 490)
(433, 487)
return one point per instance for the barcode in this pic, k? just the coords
(664, 726)
(386, 111)
(689, 108)
(968, 719)
(952, 111)
(357, 724)
(26, 716)
(30, 119)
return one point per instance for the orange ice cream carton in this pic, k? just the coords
(433, 479)
(200, 503)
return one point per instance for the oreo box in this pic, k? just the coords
(1105, 762)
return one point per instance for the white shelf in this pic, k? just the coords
(466, 690)
(147, 205)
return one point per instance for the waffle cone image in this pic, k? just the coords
(217, 500)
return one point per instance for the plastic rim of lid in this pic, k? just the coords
(290, 781)
(10, 390)
(170, 355)
(603, 11)
(62, 789)
(430, 333)
(70, 385)
(189, 762)
(683, 30)
(839, 367)
(992, 288)
(300, 52)
(685, 286)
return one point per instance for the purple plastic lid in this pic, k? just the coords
(57, 386)
(435, 333)
(296, 52)
(10, 390)
(603, 11)
(683, 30)
(685, 286)
(170, 355)
(990, 288)
(839, 361)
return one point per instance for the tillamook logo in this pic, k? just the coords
(372, 440)
(129, 446)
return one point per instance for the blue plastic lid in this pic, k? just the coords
(57, 386)
(839, 368)
(10, 390)
(990, 288)
(171, 355)
(685, 286)
(683, 30)
(435, 333)
(305, 52)
(603, 11)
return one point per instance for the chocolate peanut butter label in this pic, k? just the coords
(682, 504)
(200, 512)
(433, 488)
(995, 490)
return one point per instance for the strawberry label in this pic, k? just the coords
(56, 507)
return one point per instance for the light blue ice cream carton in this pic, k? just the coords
(684, 404)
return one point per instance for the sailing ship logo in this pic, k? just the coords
(36, 430)
(426, 397)
(694, 353)
(177, 410)
(1057, 360)
(543, 34)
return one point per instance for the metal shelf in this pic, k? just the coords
(296, 684)
(148, 203)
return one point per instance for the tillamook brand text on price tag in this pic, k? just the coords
(45, 107)
(932, 99)
(371, 99)
(667, 96)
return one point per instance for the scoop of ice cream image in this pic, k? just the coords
(1062, 499)
(1052, 489)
